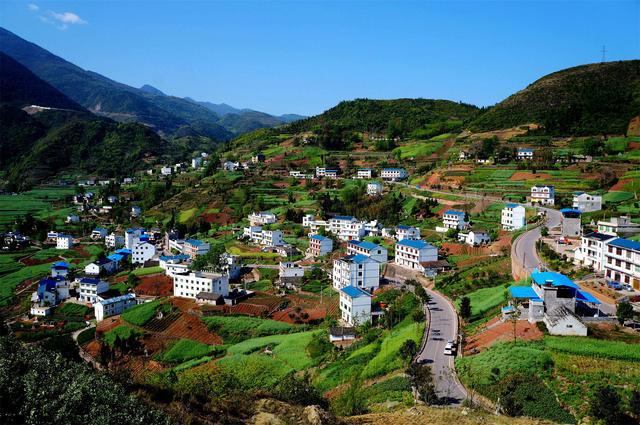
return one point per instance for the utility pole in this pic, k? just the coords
(604, 53)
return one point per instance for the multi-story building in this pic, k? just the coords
(407, 232)
(290, 274)
(371, 250)
(622, 262)
(524, 153)
(113, 306)
(394, 174)
(591, 251)
(618, 226)
(314, 224)
(571, 222)
(262, 218)
(190, 284)
(99, 233)
(365, 173)
(543, 195)
(374, 189)
(513, 217)
(64, 241)
(263, 237)
(347, 228)
(474, 237)
(355, 306)
(319, 245)
(586, 203)
(330, 173)
(142, 252)
(415, 254)
(89, 288)
(60, 268)
(195, 247)
(114, 241)
(453, 219)
(132, 237)
(356, 270)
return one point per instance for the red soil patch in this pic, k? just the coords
(620, 184)
(184, 304)
(93, 348)
(34, 262)
(459, 248)
(499, 331)
(221, 218)
(191, 327)
(157, 285)
(281, 185)
(107, 324)
(634, 145)
(301, 162)
(526, 175)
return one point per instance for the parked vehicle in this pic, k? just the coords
(450, 349)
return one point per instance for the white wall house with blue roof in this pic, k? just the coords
(195, 247)
(592, 249)
(113, 306)
(89, 288)
(355, 306)
(513, 217)
(358, 270)
(524, 153)
(319, 246)
(393, 174)
(622, 262)
(452, 219)
(586, 203)
(374, 251)
(346, 227)
(415, 254)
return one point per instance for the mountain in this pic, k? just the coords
(584, 100)
(220, 109)
(151, 90)
(291, 117)
(20, 87)
(376, 115)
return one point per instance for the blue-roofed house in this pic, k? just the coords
(356, 270)
(513, 217)
(416, 255)
(347, 227)
(452, 219)
(195, 247)
(365, 173)
(524, 153)
(101, 266)
(60, 268)
(89, 288)
(370, 249)
(319, 245)
(355, 306)
(407, 232)
(104, 308)
(99, 233)
(622, 262)
(393, 174)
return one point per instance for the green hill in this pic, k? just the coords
(584, 100)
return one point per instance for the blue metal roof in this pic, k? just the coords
(354, 292)
(512, 205)
(525, 150)
(522, 292)
(174, 257)
(587, 297)
(570, 211)
(358, 258)
(454, 212)
(194, 242)
(556, 279)
(404, 227)
(626, 243)
(60, 265)
(46, 284)
(100, 229)
(318, 237)
(115, 257)
(124, 251)
(365, 244)
(393, 169)
(89, 281)
(343, 217)
(118, 299)
(417, 244)
(365, 169)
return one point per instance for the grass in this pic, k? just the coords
(71, 309)
(186, 215)
(183, 350)
(486, 299)
(617, 196)
(40, 202)
(239, 328)
(288, 348)
(142, 271)
(396, 388)
(141, 313)
(9, 281)
(594, 348)
(122, 331)
(418, 149)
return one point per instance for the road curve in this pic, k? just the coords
(442, 328)
(524, 247)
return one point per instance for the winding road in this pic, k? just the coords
(524, 247)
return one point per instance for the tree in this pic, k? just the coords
(544, 231)
(408, 350)
(465, 307)
(624, 311)
(605, 405)
(421, 379)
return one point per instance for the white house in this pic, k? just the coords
(114, 241)
(195, 247)
(230, 165)
(374, 189)
(513, 217)
(73, 219)
(543, 195)
(263, 237)
(586, 203)
(166, 171)
(113, 306)
(60, 268)
(356, 270)
(622, 226)
(347, 228)
(562, 321)
(314, 225)
(190, 284)
(415, 254)
(64, 241)
(142, 252)
(393, 174)
(355, 306)
(364, 173)
(101, 265)
(289, 273)
(89, 288)
(196, 162)
(99, 233)
(474, 237)
(406, 232)
(262, 218)
(369, 249)
(135, 211)
(622, 262)
(453, 219)
(132, 237)
(319, 246)
(591, 251)
(524, 153)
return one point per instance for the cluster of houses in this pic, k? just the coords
(386, 174)
(14, 241)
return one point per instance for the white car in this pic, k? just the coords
(449, 349)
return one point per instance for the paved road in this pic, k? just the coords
(442, 329)
(524, 247)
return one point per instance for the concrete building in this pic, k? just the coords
(355, 306)
(135, 211)
(374, 189)
(263, 237)
(586, 203)
(142, 252)
(474, 237)
(132, 237)
(64, 241)
(571, 223)
(101, 265)
(369, 249)
(415, 254)
(592, 249)
(113, 306)
(618, 226)
(543, 195)
(262, 218)
(393, 174)
(453, 219)
(365, 173)
(290, 274)
(562, 321)
(90, 288)
(195, 247)
(190, 284)
(513, 217)
(319, 246)
(60, 269)
(99, 233)
(407, 232)
(622, 262)
(347, 228)
(524, 153)
(314, 224)
(356, 270)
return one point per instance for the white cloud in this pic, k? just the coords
(33, 7)
(60, 20)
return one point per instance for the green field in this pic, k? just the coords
(486, 299)
(38, 202)
(141, 313)
(288, 348)
(234, 329)
(122, 332)
(183, 350)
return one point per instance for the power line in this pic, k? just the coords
(604, 53)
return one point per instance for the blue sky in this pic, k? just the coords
(306, 56)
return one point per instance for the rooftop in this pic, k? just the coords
(417, 244)
(404, 227)
(194, 242)
(511, 206)
(364, 244)
(358, 258)
(454, 212)
(118, 299)
(524, 292)
(343, 217)
(354, 292)
(318, 237)
(553, 278)
(599, 236)
(625, 243)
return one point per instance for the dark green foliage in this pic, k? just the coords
(605, 405)
(421, 378)
(39, 386)
(624, 311)
(408, 349)
(584, 100)
(465, 307)
(86, 336)
(299, 391)
(319, 346)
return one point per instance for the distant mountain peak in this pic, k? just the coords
(152, 90)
